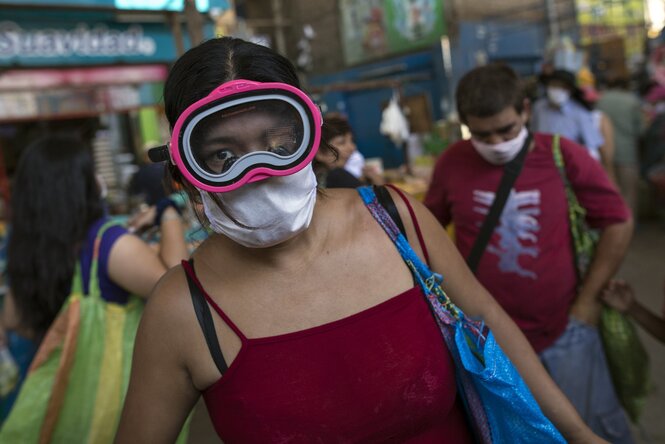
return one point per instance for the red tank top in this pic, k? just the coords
(381, 375)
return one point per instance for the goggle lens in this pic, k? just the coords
(221, 138)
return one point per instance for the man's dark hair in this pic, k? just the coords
(488, 90)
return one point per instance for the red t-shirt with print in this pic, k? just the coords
(528, 264)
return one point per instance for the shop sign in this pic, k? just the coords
(145, 5)
(82, 41)
(600, 20)
(610, 12)
(84, 38)
(377, 28)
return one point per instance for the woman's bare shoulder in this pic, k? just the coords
(344, 197)
(169, 307)
(345, 205)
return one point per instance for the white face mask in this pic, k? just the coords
(501, 153)
(273, 210)
(558, 96)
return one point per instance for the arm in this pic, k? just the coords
(607, 149)
(607, 212)
(136, 267)
(475, 301)
(436, 198)
(172, 246)
(611, 249)
(10, 319)
(620, 296)
(648, 320)
(590, 132)
(160, 393)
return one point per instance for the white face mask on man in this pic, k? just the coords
(501, 153)
(558, 96)
(271, 211)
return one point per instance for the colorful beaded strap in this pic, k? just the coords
(430, 282)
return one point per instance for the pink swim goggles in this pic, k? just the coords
(243, 132)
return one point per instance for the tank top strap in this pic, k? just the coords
(188, 266)
(414, 219)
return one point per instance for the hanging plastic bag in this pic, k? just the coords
(393, 122)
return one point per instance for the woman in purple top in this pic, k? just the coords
(57, 211)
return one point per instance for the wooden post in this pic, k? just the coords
(176, 29)
(278, 14)
(194, 21)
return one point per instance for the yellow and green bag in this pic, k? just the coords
(76, 384)
(627, 359)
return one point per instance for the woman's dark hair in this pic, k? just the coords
(55, 199)
(205, 67)
(334, 124)
(488, 90)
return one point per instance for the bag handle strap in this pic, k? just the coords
(387, 202)
(576, 212)
(429, 281)
(558, 159)
(204, 317)
(77, 280)
(93, 280)
(561, 166)
(511, 172)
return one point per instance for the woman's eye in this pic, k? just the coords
(280, 150)
(221, 160)
(223, 154)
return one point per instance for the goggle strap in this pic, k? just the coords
(159, 154)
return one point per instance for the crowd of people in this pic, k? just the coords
(296, 319)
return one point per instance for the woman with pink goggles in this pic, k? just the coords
(297, 320)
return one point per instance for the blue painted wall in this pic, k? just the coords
(520, 45)
(364, 107)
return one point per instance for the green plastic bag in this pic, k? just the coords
(76, 385)
(626, 357)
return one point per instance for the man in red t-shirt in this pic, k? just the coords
(528, 265)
